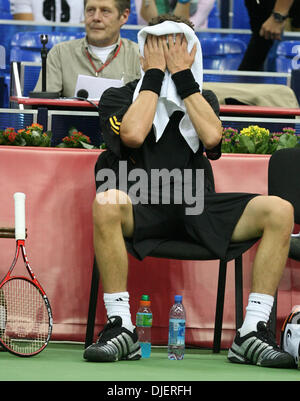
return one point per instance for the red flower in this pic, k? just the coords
(12, 136)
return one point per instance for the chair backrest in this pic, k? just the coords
(222, 53)
(288, 56)
(240, 16)
(26, 46)
(5, 9)
(284, 177)
(15, 118)
(132, 19)
(19, 54)
(214, 20)
(29, 74)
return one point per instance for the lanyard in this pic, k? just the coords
(106, 63)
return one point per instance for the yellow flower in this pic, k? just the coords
(254, 131)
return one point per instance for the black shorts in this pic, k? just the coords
(212, 228)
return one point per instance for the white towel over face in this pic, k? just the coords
(169, 101)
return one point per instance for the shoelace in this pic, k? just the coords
(109, 325)
(265, 334)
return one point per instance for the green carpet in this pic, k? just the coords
(64, 362)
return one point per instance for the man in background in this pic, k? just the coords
(268, 20)
(101, 53)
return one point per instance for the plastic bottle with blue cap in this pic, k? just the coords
(176, 341)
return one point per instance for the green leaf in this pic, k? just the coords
(246, 144)
(262, 148)
(287, 141)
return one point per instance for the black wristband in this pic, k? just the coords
(185, 83)
(152, 80)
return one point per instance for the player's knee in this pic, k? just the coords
(106, 208)
(281, 214)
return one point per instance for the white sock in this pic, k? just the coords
(117, 304)
(258, 309)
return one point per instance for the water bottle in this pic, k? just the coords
(176, 343)
(143, 325)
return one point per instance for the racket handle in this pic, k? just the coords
(19, 215)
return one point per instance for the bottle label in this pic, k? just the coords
(144, 319)
(177, 331)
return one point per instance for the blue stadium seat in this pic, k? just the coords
(5, 10)
(3, 89)
(5, 97)
(31, 76)
(132, 20)
(130, 34)
(16, 120)
(242, 77)
(240, 18)
(221, 53)
(26, 46)
(19, 54)
(288, 56)
(214, 20)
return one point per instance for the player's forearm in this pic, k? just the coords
(137, 122)
(283, 6)
(207, 125)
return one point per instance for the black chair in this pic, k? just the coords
(184, 251)
(284, 181)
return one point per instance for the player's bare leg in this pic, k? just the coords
(272, 219)
(113, 220)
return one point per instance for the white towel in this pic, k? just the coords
(169, 101)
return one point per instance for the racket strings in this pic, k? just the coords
(24, 319)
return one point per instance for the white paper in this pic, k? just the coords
(95, 86)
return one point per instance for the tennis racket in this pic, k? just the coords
(25, 313)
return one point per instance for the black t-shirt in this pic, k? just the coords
(170, 152)
(160, 221)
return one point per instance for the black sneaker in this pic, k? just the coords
(259, 348)
(114, 343)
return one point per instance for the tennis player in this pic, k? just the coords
(166, 121)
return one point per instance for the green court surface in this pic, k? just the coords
(64, 362)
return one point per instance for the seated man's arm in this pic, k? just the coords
(138, 120)
(179, 61)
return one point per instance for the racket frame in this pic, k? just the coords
(20, 246)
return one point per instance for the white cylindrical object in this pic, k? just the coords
(20, 227)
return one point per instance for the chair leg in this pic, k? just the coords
(92, 306)
(219, 306)
(273, 315)
(238, 265)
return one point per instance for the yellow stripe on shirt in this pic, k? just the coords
(113, 124)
